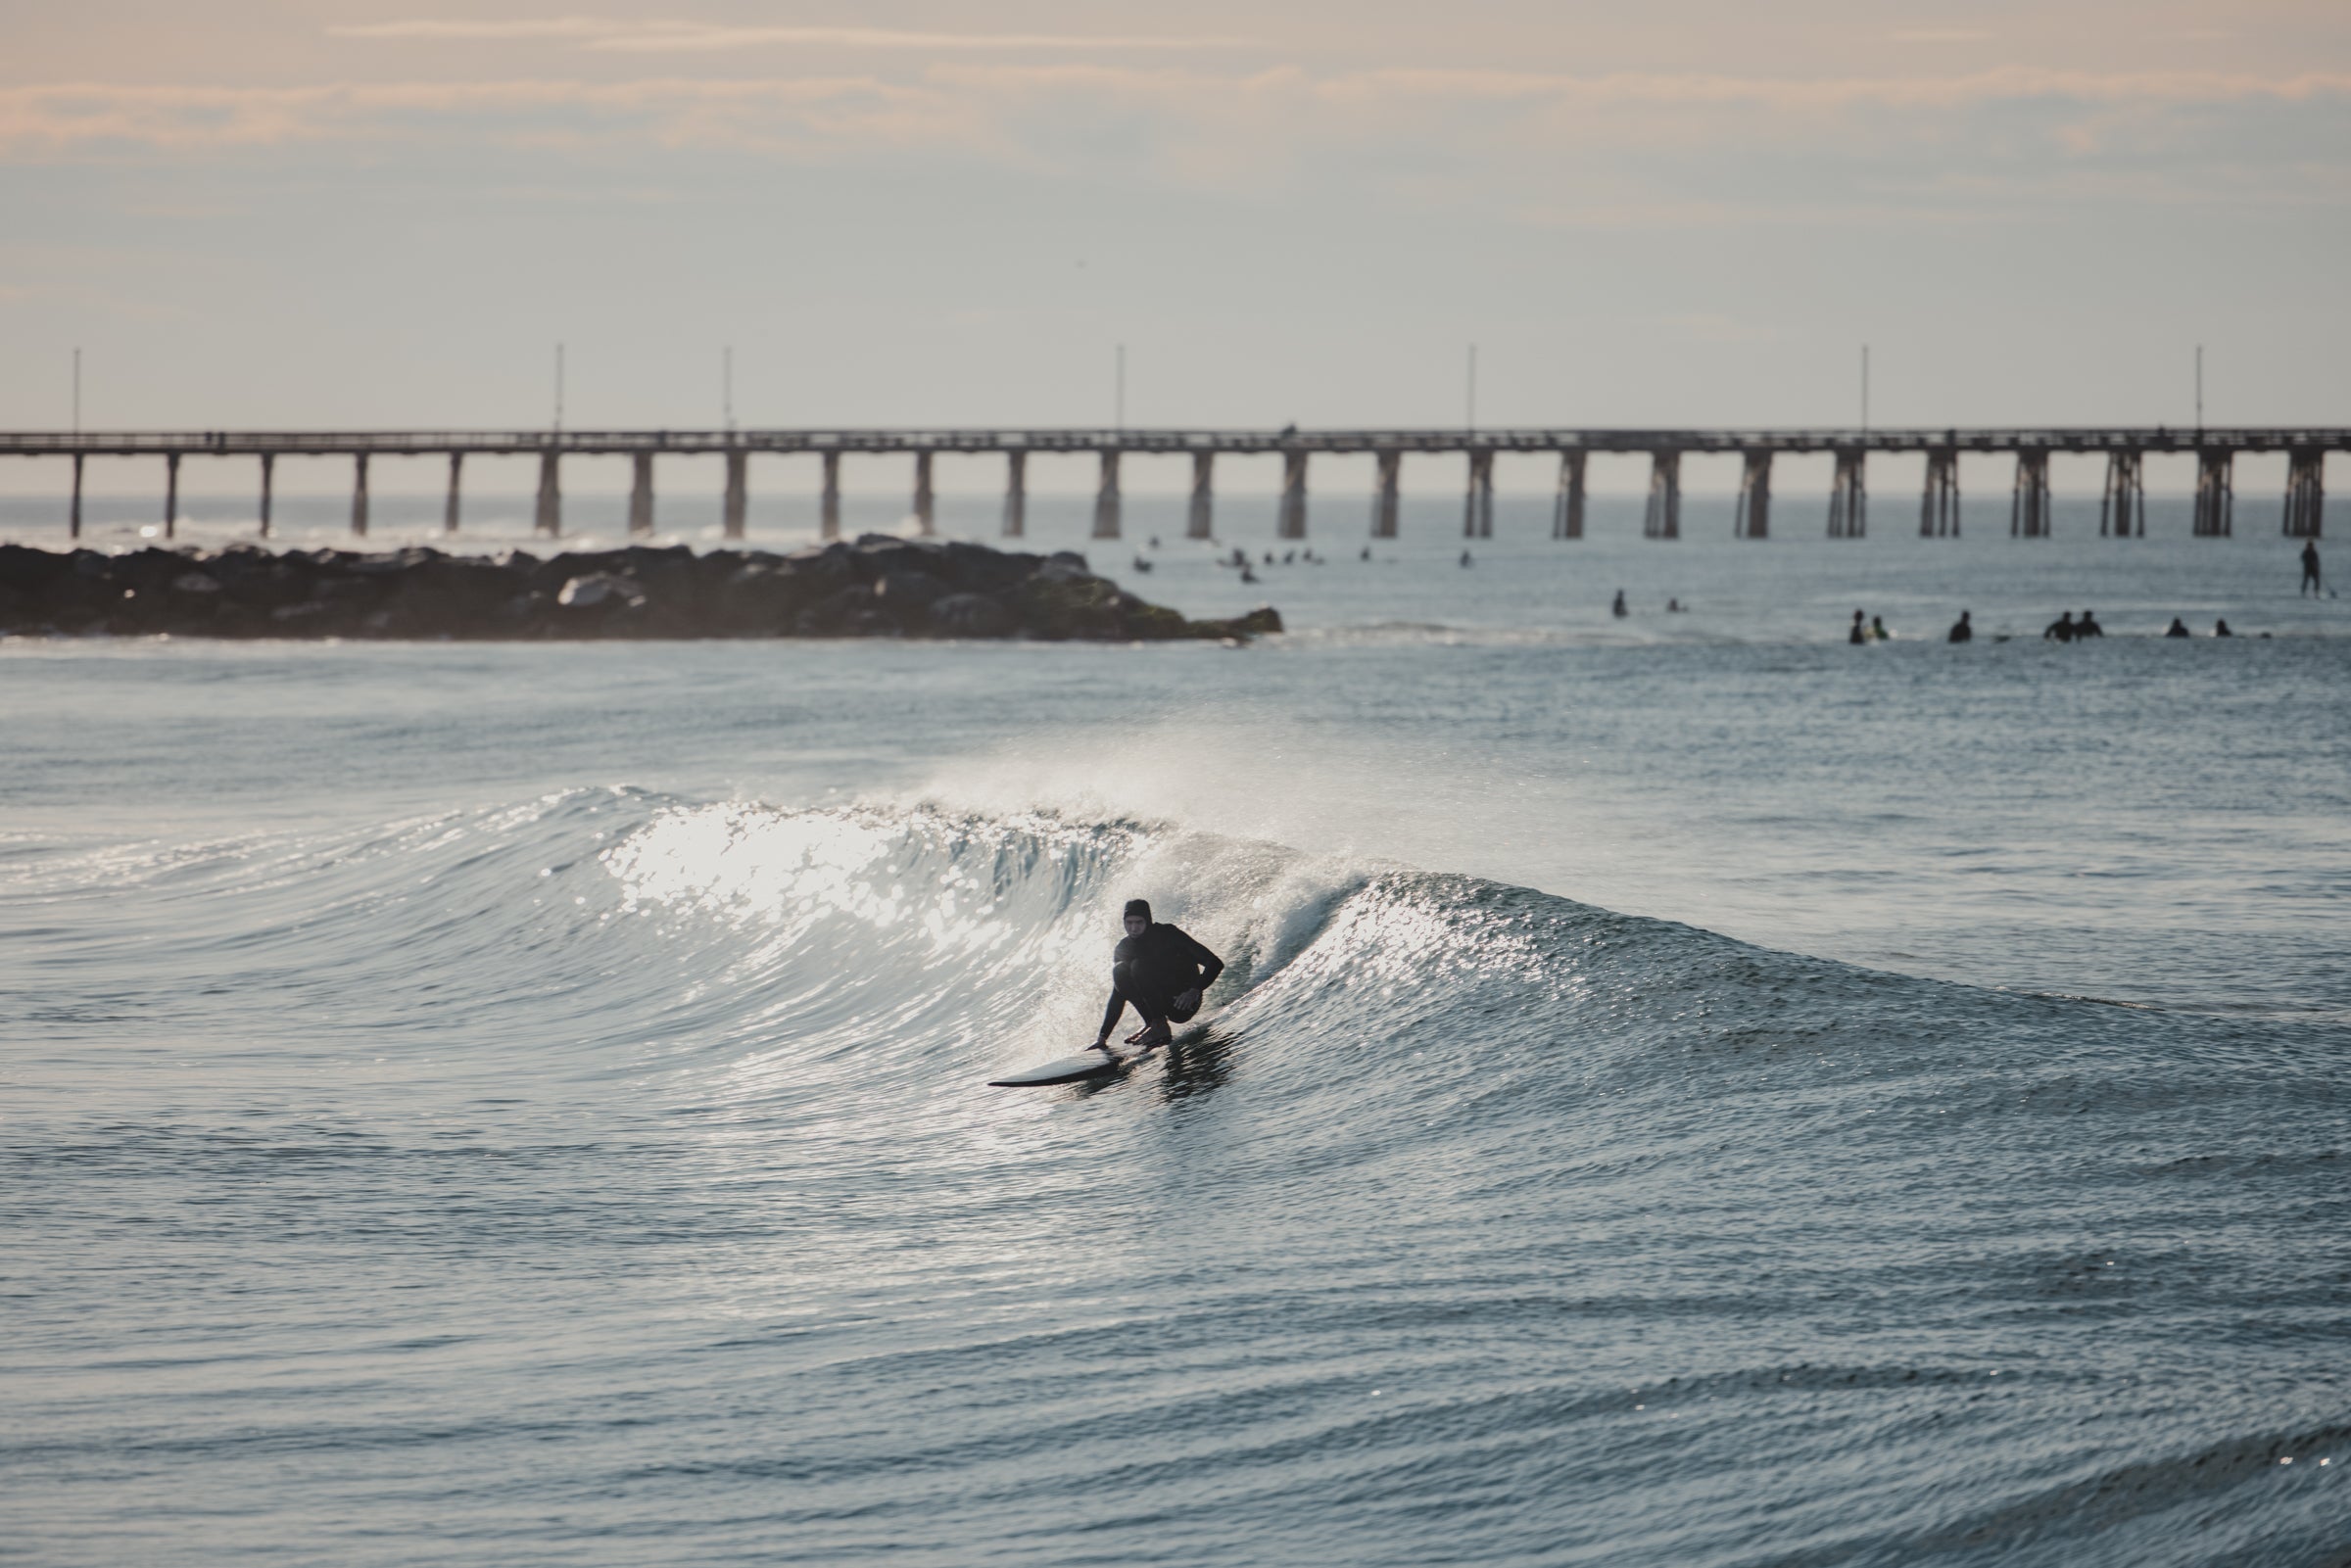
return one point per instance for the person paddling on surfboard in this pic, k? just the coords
(1162, 971)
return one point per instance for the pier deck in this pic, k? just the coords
(2122, 514)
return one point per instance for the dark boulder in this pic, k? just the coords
(763, 599)
(445, 598)
(32, 571)
(830, 565)
(310, 618)
(1060, 602)
(850, 611)
(599, 595)
(970, 616)
(262, 585)
(549, 576)
(907, 592)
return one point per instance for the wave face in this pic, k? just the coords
(611, 1177)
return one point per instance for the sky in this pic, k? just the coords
(252, 213)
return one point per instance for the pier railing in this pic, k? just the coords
(2122, 511)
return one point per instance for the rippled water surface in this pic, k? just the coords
(1687, 1091)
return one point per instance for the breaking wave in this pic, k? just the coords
(1469, 1222)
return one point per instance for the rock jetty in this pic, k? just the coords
(881, 586)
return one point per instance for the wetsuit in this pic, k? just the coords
(1154, 969)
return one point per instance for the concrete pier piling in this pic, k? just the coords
(1568, 506)
(269, 479)
(2216, 494)
(1849, 495)
(736, 515)
(456, 481)
(2028, 509)
(2123, 507)
(73, 518)
(1016, 495)
(1938, 508)
(641, 494)
(1751, 518)
(925, 502)
(172, 497)
(1477, 509)
(358, 496)
(1201, 521)
(1664, 517)
(1106, 498)
(1291, 524)
(2306, 492)
(549, 519)
(828, 520)
(1387, 494)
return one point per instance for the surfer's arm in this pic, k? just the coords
(1210, 966)
(1110, 1014)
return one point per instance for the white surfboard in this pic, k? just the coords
(1067, 1070)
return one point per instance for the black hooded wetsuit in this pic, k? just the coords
(1154, 969)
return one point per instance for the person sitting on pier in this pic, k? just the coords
(1617, 609)
(1962, 630)
(2060, 629)
(2221, 629)
(1860, 633)
(2310, 567)
(1674, 606)
(2088, 626)
(1466, 558)
(2178, 627)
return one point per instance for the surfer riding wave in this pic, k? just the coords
(1162, 971)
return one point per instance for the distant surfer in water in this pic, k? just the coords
(1162, 971)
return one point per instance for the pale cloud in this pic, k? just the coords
(705, 40)
(61, 120)
(2011, 83)
(665, 36)
(455, 31)
(1649, 149)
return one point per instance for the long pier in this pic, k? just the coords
(2122, 510)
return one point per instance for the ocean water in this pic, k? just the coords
(1687, 1091)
